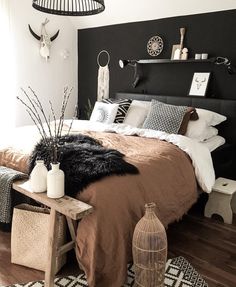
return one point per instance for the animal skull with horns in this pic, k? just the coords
(44, 39)
(200, 81)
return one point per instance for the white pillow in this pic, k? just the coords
(104, 113)
(200, 131)
(214, 142)
(211, 118)
(137, 113)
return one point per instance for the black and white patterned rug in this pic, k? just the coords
(179, 273)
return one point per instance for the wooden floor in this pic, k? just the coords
(209, 245)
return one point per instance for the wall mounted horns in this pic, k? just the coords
(44, 39)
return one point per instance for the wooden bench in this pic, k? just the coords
(71, 208)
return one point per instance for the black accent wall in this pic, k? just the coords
(212, 33)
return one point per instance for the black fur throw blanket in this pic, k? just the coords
(83, 160)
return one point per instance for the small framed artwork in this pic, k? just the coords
(199, 84)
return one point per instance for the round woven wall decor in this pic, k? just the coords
(155, 46)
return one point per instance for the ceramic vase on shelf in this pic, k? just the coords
(38, 177)
(149, 250)
(55, 181)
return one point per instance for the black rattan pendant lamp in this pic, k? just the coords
(70, 7)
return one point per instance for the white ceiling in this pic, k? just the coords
(124, 11)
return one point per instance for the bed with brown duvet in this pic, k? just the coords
(104, 238)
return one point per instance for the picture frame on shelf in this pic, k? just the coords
(199, 84)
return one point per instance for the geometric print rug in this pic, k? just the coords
(179, 273)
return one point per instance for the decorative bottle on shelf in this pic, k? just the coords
(149, 249)
(55, 182)
(38, 177)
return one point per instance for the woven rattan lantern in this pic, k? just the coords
(149, 250)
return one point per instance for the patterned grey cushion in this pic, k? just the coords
(124, 105)
(163, 117)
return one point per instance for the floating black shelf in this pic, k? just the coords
(169, 61)
(214, 60)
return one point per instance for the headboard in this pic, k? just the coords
(225, 107)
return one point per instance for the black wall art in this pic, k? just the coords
(212, 33)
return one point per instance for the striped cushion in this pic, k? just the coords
(124, 105)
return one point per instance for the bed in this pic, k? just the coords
(170, 172)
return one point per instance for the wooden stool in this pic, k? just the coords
(221, 200)
(71, 208)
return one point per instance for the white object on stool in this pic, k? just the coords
(220, 198)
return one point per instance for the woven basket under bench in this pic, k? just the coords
(29, 237)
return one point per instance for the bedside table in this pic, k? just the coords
(222, 200)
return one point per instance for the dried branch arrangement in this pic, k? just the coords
(51, 134)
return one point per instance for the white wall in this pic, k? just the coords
(122, 11)
(47, 79)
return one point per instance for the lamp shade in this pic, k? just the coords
(70, 7)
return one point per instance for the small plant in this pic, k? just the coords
(51, 132)
(88, 109)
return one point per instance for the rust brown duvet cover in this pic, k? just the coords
(104, 238)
